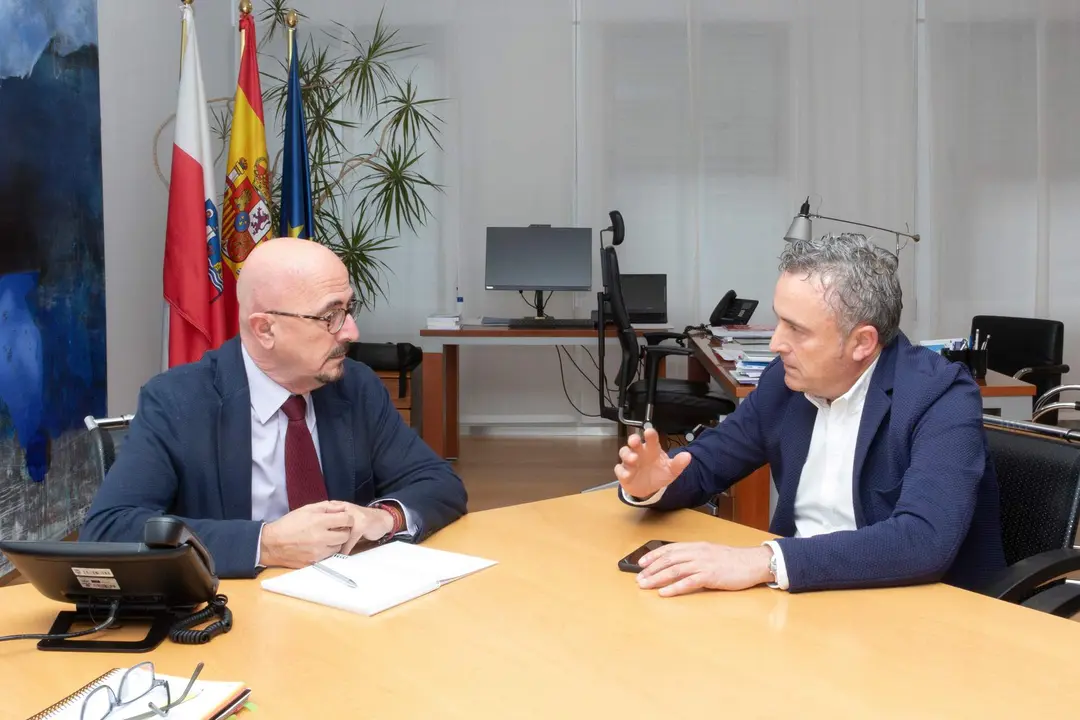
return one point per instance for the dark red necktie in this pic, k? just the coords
(304, 482)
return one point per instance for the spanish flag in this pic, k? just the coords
(245, 215)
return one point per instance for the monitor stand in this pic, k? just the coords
(540, 321)
(539, 303)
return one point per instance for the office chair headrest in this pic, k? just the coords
(617, 229)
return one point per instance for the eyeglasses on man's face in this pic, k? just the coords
(335, 319)
(139, 682)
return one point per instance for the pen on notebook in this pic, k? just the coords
(336, 575)
(975, 345)
(985, 341)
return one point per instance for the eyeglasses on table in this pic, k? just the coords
(139, 682)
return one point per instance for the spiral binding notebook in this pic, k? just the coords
(207, 700)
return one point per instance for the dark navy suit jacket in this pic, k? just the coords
(926, 496)
(188, 454)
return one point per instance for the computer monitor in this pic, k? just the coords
(645, 296)
(539, 258)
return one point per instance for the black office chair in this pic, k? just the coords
(106, 436)
(1029, 349)
(670, 406)
(1038, 470)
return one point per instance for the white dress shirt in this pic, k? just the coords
(824, 500)
(269, 497)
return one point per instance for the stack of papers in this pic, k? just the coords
(444, 322)
(385, 576)
(743, 333)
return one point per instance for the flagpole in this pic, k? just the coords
(290, 20)
(245, 9)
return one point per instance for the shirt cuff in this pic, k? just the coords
(411, 523)
(258, 548)
(642, 502)
(781, 569)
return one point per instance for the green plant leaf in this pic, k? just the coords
(367, 74)
(407, 116)
(349, 83)
(393, 187)
(357, 245)
(274, 17)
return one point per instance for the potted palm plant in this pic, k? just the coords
(362, 198)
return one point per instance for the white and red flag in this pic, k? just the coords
(202, 300)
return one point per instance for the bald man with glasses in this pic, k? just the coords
(277, 449)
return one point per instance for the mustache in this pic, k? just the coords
(339, 351)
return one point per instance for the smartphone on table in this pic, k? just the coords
(630, 563)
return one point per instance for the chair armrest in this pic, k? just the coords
(653, 354)
(1019, 581)
(655, 338)
(662, 350)
(1061, 600)
(1041, 370)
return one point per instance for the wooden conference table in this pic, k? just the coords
(750, 497)
(556, 631)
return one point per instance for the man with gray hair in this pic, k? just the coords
(876, 447)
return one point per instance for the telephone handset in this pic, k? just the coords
(732, 310)
(164, 531)
(169, 532)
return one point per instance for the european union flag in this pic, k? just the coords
(297, 219)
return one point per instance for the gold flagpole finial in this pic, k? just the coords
(183, 35)
(290, 20)
(245, 7)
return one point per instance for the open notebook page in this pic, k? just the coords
(386, 576)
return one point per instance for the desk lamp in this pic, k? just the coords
(800, 227)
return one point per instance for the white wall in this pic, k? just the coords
(139, 54)
(1003, 100)
(705, 121)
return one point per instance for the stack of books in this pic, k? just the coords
(444, 322)
(750, 365)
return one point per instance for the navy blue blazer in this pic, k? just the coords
(188, 454)
(926, 496)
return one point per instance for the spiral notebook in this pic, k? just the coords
(207, 700)
(386, 576)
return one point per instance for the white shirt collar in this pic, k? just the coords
(852, 400)
(267, 396)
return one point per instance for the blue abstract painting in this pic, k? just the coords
(52, 267)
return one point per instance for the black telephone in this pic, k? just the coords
(159, 582)
(732, 310)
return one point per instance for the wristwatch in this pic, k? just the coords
(772, 566)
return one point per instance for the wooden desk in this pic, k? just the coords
(750, 496)
(440, 371)
(556, 631)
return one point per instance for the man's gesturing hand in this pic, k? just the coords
(645, 467)
(306, 535)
